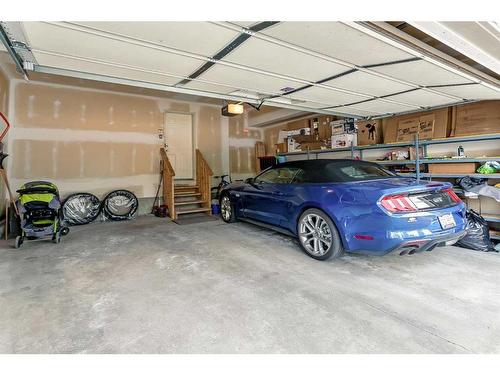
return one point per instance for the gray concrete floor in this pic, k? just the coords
(152, 286)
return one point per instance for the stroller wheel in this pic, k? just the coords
(64, 231)
(56, 238)
(18, 243)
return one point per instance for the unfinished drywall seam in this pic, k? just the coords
(117, 92)
(224, 134)
(10, 138)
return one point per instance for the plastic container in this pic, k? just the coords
(215, 209)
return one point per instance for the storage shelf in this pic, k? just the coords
(435, 161)
(486, 137)
(472, 138)
(393, 162)
(453, 175)
(492, 218)
(458, 160)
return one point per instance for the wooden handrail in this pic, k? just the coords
(203, 178)
(168, 183)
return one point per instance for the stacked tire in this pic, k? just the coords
(84, 208)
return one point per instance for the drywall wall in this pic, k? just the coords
(242, 147)
(4, 103)
(95, 140)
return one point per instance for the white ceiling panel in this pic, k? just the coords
(327, 96)
(354, 111)
(261, 83)
(209, 87)
(47, 37)
(380, 107)
(367, 83)
(111, 71)
(277, 59)
(421, 73)
(476, 91)
(423, 98)
(337, 40)
(244, 23)
(185, 36)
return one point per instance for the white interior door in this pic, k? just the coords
(179, 143)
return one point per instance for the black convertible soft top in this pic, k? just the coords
(337, 170)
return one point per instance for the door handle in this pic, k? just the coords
(278, 193)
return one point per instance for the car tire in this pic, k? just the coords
(18, 242)
(227, 209)
(318, 236)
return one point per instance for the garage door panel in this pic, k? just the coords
(261, 83)
(337, 40)
(111, 71)
(327, 96)
(48, 37)
(421, 73)
(368, 84)
(470, 92)
(186, 36)
(423, 98)
(277, 59)
(381, 107)
(210, 87)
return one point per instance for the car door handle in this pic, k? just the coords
(278, 193)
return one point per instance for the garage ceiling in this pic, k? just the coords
(327, 67)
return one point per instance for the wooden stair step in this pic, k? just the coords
(186, 194)
(182, 187)
(193, 210)
(183, 203)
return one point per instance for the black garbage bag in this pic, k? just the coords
(467, 182)
(478, 235)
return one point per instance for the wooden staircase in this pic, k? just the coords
(186, 199)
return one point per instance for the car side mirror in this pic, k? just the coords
(249, 180)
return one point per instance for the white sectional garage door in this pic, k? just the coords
(327, 67)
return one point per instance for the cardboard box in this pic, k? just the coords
(298, 124)
(450, 168)
(369, 132)
(324, 130)
(301, 131)
(413, 154)
(305, 138)
(316, 145)
(292, 145)
(423, 125)
(483, 205)
(344, 140)
(442, 123)
(346, 125)
(281, 148)
(477, 118)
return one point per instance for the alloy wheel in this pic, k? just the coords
(225, 208)
(315, 234)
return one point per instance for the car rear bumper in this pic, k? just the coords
(417, 246)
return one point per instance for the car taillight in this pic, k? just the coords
(398, 203)
(454, 197)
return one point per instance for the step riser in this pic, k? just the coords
(188, 202)
(192, 211)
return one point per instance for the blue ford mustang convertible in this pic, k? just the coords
(337, 205)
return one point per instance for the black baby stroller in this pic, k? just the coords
(40, 212)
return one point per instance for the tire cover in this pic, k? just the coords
(120, 205)
(81, 208)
